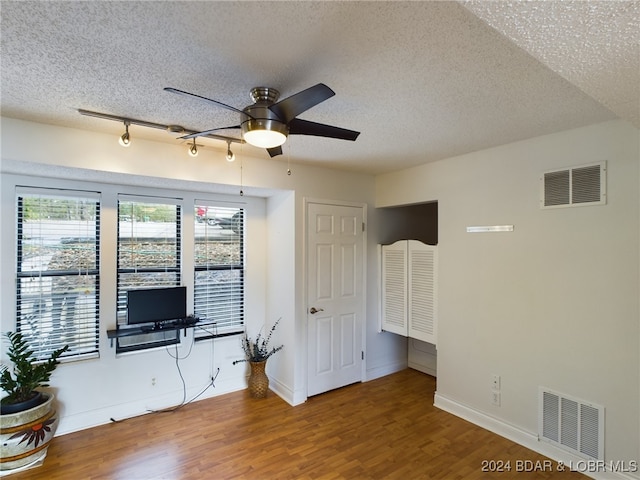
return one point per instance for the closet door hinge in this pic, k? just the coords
(363, 226)
(362, 356)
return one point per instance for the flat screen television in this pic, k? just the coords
(156, 305)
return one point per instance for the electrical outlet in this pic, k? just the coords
(495, 382)
(153, 381)
(495, 398)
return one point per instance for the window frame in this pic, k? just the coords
(147, 340)
(84, 338)
(233, 322)
(108, 195)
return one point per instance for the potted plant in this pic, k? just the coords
(28, 421)
(256, 354)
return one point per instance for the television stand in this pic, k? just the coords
(166, 327)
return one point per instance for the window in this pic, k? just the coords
(57, 272)
(219, 269)
(149, 255)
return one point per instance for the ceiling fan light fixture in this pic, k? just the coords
(125, 139)
(264, 133)
(265, 138)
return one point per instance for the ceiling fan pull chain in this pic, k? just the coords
(241, 157)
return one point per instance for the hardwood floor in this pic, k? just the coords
(384, 429)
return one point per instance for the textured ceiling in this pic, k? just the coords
(422, 81)
(594, 45)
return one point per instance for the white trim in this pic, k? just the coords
(522, 437)
(57, 192)
(103, 416)
(423, 368)
(282, 390)
(306, 201)
(384, 370)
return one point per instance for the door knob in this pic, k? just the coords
(313, 310)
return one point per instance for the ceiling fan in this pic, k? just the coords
(267, 122)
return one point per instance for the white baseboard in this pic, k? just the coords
(294, 398)
(429, 370)
(423, 357)
(102, 416)
(529, 440)
(387, 369)
(284, 392)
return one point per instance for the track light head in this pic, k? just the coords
(125, 139)
(193, 149)
(230, 155)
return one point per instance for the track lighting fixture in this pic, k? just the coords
(193, 149)
(125, 140)
(230, 155)
(175, 130)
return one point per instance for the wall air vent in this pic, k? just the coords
(571, 424)
(572, 187)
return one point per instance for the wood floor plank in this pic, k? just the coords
(384, 429)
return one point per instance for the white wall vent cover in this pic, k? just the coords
(571, 424)
(573, 187)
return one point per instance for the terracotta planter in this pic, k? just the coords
(25, 436)
(258, 380)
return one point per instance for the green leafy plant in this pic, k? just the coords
(28, 373)
(258, 350)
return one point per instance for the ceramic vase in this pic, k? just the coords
(25, 435)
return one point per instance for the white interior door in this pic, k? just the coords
(335, 309)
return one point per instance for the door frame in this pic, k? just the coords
(306, 201)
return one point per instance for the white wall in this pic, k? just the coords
(120, 386)
(554, 303)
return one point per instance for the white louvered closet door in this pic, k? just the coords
(409, 289)
(394, 288)
(422, 263)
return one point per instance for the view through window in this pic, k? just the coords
(149, 255)
(219, 269)
(58, 266)
(57, 274)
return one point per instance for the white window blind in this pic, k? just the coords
(219, 269)
(149, 255)
(57, 271)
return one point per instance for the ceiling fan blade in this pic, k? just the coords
(305, 127)
(193, 95)
(206, 132)
(292, 106)
(275, 151)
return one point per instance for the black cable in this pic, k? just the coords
(184, 385)
(177, 359)
(193, 341)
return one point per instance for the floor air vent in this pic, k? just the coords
(572, 187)
(572, 424)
